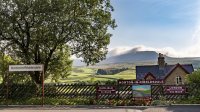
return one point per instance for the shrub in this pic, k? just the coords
(162, 101)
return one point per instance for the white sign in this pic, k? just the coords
(25, 67)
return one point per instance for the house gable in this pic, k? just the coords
(177, 71)
(149, 76)
(142, 71)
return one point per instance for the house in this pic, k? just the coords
(170, 74)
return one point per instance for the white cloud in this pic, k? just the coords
(192, 51)
(123, 49)
(118, 51)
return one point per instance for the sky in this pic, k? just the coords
(171, 27)
(141, 87)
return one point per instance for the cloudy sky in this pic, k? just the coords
(168, 26)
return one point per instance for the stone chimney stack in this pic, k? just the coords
(161, 61)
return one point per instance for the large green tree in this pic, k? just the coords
(4, 62)
(34, 30)
(194, 77)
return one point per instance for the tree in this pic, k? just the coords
(61, 65)
(194, 86)
(194, 77)
(5, 61)
(33, 30)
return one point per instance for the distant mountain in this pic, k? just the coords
(144, 57)
(132, 57)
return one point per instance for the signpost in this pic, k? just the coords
(20, 68)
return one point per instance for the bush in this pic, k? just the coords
(188, 101)
(162, 101)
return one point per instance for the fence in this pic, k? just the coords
(95, 91)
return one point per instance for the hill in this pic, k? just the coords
(145, 57)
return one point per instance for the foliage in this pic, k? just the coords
(73, 101)
(110, 82)
(5, 61)
(188, 101)
(194, 78)
(61, 66)
(32, 31)
(194, 87)
(48, 101)
(162, 101)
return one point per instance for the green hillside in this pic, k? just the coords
(88, 74)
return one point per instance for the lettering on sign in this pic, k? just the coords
(131, 82)
(106, 90)
(126, 82)
(25, 68)
(149, 82)
(174, 89)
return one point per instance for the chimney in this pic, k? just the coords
(161, 61)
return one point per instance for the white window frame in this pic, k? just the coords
(179, 80)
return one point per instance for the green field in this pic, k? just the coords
(88, 74)
(145, 91)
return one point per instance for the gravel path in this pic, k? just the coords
(179, 108)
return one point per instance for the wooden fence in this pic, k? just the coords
(86, 91)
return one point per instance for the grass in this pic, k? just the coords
(145, 91)
(87, 74)
(128, 74)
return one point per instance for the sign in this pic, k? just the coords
(141, 91)
(174, 89)
(149, 82)
(126, 82)
(106, 89)
(131, 82)
(16, 68)
(25, 68)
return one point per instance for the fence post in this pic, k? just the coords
(118, 95)
(97, 92)
(7, 87)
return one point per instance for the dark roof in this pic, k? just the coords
(142, 71)
(149, 74)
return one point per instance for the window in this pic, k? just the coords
(178, 80)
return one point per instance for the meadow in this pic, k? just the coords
(88, 74)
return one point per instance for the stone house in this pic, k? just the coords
(170, 74)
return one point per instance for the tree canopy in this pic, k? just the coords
(39, 31)
(194, 77)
